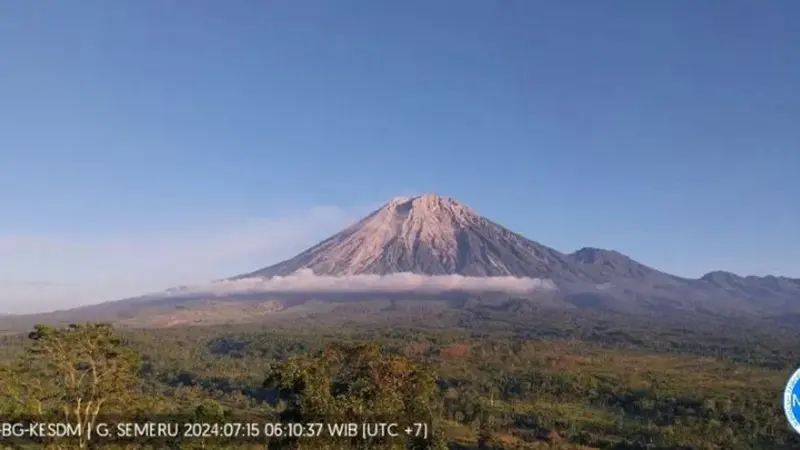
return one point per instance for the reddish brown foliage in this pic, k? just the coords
(454, 351)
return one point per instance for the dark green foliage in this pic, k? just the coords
(556, 381)
(359, 384)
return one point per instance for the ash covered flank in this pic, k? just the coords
(427, 235)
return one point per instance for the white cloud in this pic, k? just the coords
(43, 273)
(306, 281)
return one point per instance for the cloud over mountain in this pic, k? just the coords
(305, 281)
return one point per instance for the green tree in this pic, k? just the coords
(73, 374)
(359, 384)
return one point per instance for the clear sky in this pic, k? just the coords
(150, 143)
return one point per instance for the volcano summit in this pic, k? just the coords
(428, 235)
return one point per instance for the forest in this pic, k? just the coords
(555, 381)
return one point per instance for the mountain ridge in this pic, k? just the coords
(435, 235)
(430, 236)
(584, 255)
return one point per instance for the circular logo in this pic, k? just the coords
(791, 401)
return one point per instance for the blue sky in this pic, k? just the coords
(150, 143)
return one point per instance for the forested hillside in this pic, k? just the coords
(570, 385)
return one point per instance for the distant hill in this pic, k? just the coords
(434, 236)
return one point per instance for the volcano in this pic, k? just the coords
(433, 235)
(430, 235)
(431, 248)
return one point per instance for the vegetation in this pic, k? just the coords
(568, 383)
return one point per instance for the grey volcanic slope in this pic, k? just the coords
(774, 294)
(622, 278)
(606, 265)
(428, 235)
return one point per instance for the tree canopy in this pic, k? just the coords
(360, 384)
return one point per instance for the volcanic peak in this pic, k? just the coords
(593, 255)
(429, 220)
(427, 234)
